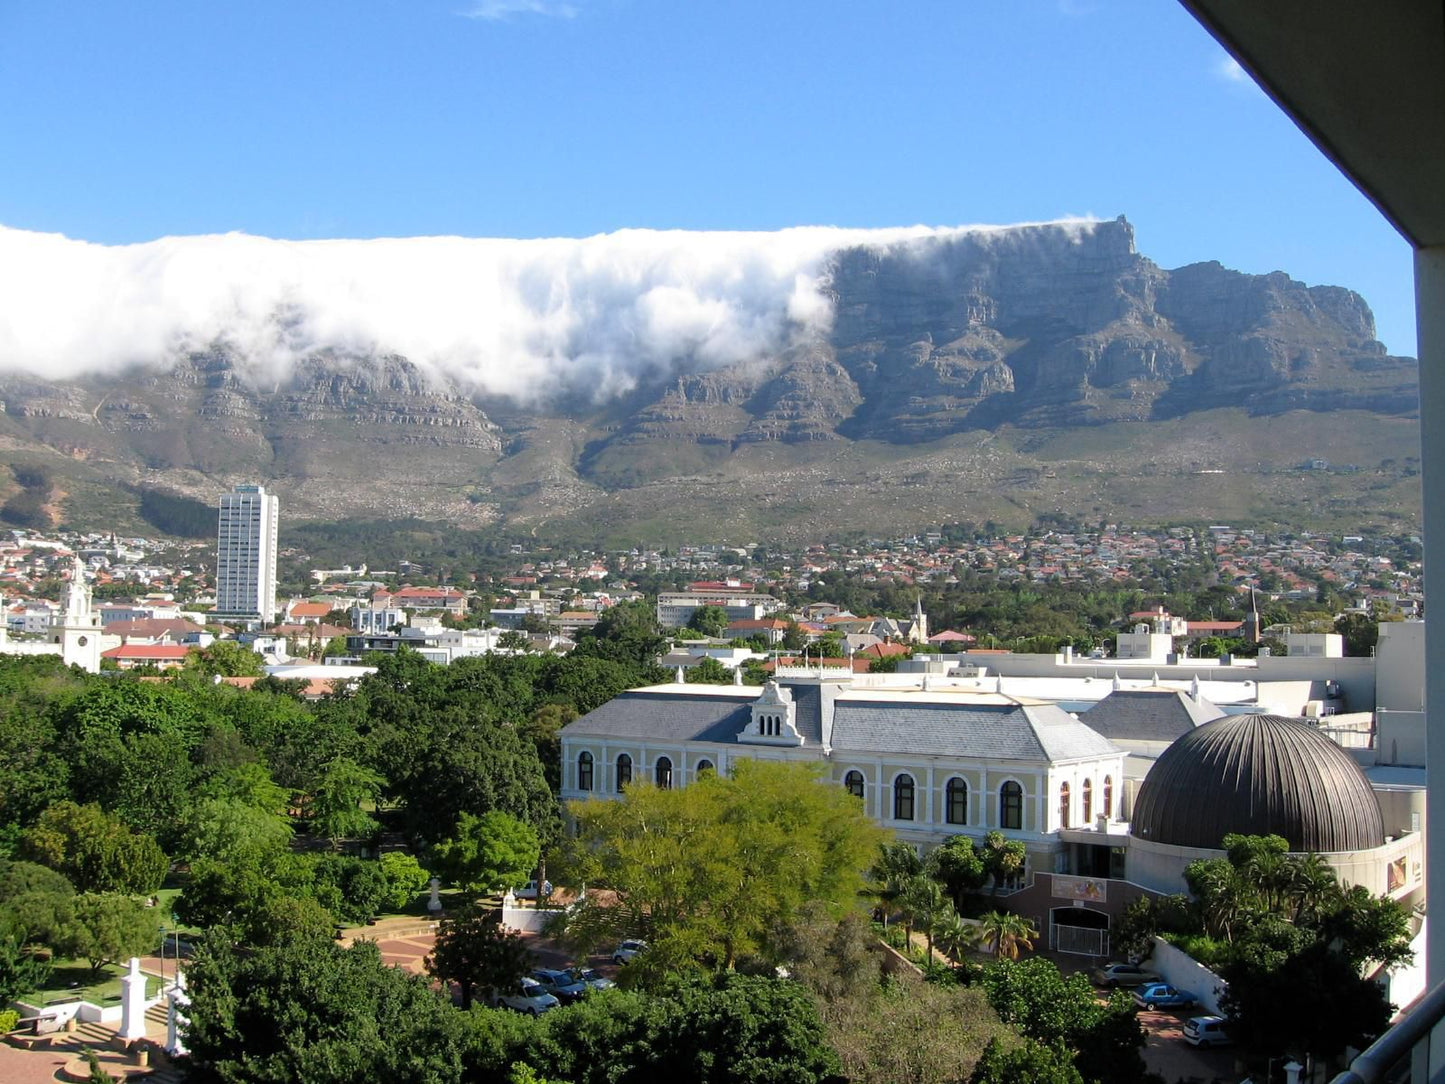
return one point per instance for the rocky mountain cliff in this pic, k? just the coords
(1000, 342)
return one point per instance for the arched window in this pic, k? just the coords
(1087, 797)
(703, 766)
(663, 773)
(1011, 805)
(1108, 795)
(1063, 805)
(584, 771)
(624, 771)
(903, 797)
(854, 782)
(957, 805)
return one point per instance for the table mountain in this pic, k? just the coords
(991, 374)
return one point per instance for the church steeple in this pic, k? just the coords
(77, 627)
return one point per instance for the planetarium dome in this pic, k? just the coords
(1256, 775)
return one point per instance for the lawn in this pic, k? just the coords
(73, 978)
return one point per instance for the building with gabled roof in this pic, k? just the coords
(927, 762)
(1144, 722)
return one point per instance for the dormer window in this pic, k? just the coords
(773, 719)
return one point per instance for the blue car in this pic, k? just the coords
(1160, 995)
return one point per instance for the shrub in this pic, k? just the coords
(8, 1019)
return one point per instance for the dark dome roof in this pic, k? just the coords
(1258, 774)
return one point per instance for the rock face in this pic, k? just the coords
(1034, 328)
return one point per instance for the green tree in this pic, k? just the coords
(21, 971)
(708, 672)
(352, 889)
(894, 869)
(359, 1019)
(1133, 935)
(795, 637)
(94, 850)
(1005, 933)
(1031, 1061)
(708, 872)
(105, 928)
(489, 853)
(34, 902)
(1047, 1007)
(476, 953)
(335, 810)
(405, 878)
(542, 729)
(709, 620)
(231, 830)
(959, 866)
(1003, 858)
(225, 658)
(926, 903)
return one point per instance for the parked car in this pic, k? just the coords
(627, 950)
(1160, 995)
(591, 978)
(560, 985)
(525, 995)
(1206, 1031)
(1112, 975)
(527, 892)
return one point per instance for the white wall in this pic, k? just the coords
(1183, 972)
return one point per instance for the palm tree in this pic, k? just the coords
(1312, 889)
(953, 934)
(1007, 933)
(898, 863)
(924, 901)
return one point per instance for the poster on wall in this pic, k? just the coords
(1395, 875)
(1080, 888)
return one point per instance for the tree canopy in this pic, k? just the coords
(707, 871)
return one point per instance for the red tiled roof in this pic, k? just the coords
(147, 651)
(1214, 626)
(948, 636)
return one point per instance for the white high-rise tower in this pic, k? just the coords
(246, 554)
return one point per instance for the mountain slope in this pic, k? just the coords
(958, 376)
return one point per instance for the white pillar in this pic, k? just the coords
(1430, 330)
(132, 1003)
(434, 905)
(1430, 335)
(175, 1018)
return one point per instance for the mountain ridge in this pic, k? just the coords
(934, 344)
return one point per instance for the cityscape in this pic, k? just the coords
(575, 542)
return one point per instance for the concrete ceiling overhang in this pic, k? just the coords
(1365, 80)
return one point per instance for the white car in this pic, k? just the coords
(525, 995)
(627, 950)
(531, 890)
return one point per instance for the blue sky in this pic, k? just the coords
(533, 118)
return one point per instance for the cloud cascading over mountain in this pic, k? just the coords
(528, 319)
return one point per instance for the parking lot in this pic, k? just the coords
(1167, 1054)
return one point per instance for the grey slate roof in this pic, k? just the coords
(670, 717)
(995, 731)
(1002, 731)
(1149, 714)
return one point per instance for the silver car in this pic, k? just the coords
(525, 995)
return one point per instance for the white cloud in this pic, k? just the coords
(527, 319)
(1228, 69)
(499, 10)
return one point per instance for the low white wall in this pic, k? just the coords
(1404, 984)
(1183, 972)
(526, 919)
